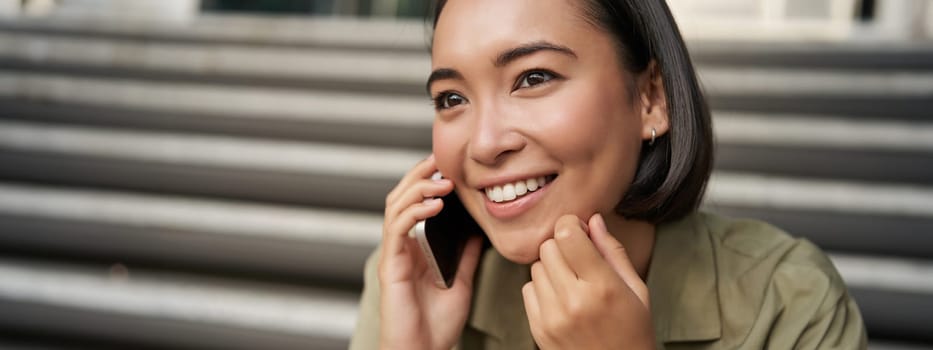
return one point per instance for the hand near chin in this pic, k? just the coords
(414, 312)
(585, 293)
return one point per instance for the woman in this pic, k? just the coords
(575, 133)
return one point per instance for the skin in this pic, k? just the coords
(563, 106)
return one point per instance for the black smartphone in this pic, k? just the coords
(443, 237)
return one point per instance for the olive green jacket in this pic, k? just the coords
(715, 283)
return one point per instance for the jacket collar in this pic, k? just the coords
(498, 307)
(682, 282)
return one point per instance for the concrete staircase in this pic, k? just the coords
(218, 185)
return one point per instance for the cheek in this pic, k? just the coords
(583, 124)
(596, 135)
(448, 145)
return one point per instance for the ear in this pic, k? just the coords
(653, 102)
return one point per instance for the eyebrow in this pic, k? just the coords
(503, 59)
(442, 74)
(515, 53)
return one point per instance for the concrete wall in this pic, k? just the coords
(765, 19)
(820, 20)
(929, 21)
(9, 8)
(130, 10)
(898, 20)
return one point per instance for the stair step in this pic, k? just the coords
(880, 234)
(819, 131)
(906, 108)
(718, 62)
(368, 105)
(358, 176)
(171, 309)
(306, 173)
(731, 81)
(275, 31)
(824, 147)
(837, 55)
(406, 74)
(785, 129)
(893, 294)
(213, 100)
(737, 189)
(775, 143)
(366, 167)
(277, 241)
(388, 132)
(889, 345)
(861, 165)
(731, 127)
(889, 273)
(130, 304)
(860, 218)
(867, 218)
(280, 32)
(178, 61)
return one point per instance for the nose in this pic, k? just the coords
(494, 136)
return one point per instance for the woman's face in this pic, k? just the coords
(527, 89)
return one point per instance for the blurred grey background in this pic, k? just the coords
(210, 174)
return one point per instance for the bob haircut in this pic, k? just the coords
(672, 173)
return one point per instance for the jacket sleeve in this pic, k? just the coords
(366, 335)
(840, 327)
(818, 311)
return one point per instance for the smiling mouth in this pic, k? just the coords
(514, 190)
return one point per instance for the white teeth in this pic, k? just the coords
(509, 192)
(496, 194)
(532, 184)
(521, 188)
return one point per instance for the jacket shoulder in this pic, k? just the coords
(778, 284)
(759, 241)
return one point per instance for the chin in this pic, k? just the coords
(520, 256)
(518, 247)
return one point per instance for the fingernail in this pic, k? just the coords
(601, 223)
(437, 177)
(431, 201)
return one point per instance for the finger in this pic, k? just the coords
(557, 269)
(577, 249)
(469, 261)
(544, 290)
(396, 233)
(532, 306)
(416, 192)
(423, 170)
(419, 263)
(614, 252)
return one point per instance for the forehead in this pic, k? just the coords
(468, 28)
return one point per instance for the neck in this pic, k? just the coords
(636, 236)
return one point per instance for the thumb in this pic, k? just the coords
(615, 254)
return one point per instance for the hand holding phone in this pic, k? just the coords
(414, 312)
(443, 237)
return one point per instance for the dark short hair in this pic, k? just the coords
(672, 173)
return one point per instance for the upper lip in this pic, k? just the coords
(500, 180)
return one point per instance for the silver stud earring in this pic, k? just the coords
(654, 134)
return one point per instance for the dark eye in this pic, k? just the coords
(534, 78)
(448, 100)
